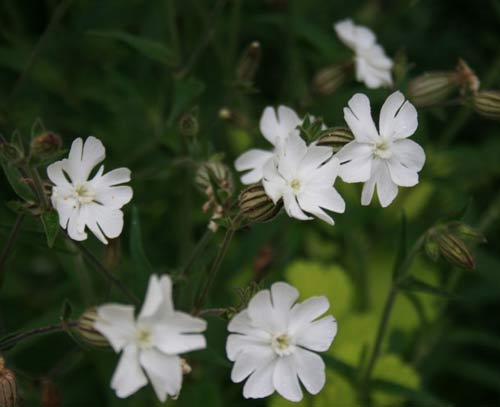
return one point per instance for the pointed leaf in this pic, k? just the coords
(50, 222)
(17, 183)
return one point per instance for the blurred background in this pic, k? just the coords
(128, 72)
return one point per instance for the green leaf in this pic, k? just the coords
(414, 284)
(50, 222)
(66, 310)
(15, 179)
(402, 248)
(151, 49)
(136, 248)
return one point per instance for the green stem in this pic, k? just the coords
(12, 340)
(401, 274)
(10, 243)
(105, 272)
(212, 273)
(200, 246)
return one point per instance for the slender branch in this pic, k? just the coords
(10, 244)
(212, 273)
(13, 340)
(104, 271)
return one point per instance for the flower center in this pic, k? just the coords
(295, 184)
(144, 337)
(84, 193)
(382, 149)
(282, 345)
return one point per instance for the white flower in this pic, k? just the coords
(276, 127)
(385, 158)
(82, 202)
(151, 342)
(274, 341)
(303, 177)
(373, 66)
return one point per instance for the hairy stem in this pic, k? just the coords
(105, 272)
(12, 340)
(10, 244)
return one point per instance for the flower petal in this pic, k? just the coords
(292, 208)
(283, 297)
(390, 108)
(237, 343)
(285, 379)
(359, 119)
(307, 311)
(318, 335)
(406, 121)
(251, 359)
(128, 376)
(114, 197)
(115, 177)
(387, 190)
(56, 174)
(357, 170)
(260, 311)
(409, 153)
(171, 342)
(117, 323)
(253, 160)
(109, 220)
(164, 372)
(242, 324)
(154, 296)
(311, 370)
(401, 175)
(354, 150)
(260, 383)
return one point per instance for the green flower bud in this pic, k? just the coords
(256, 205)
(87, 332)
(188, 125)
(45, 144)
(432, 88)
(8, 386)
(329, 79)
(487, 103)
(336, 137)
(450, 247)
(214, 174)
(249, 63)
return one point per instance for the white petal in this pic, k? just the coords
(109, 220)
(171, 342)
(253, 160)
(274, 184)
(250, 360)
(305, 312)
(76, 225)
(277, 126)
(289, 120)
(373, 76)
(294, 150)
(354, 150)
(326, 198)
(269, 126)
(354, 36)
(154, 296)
(285, 379)
(311, 370)
(406, 121)
(117, 323)
(357, 170)
(325, 175)
(359, 119)
(292, 207)
(401, 175)
(388, 113)
(114, 197)
(260, 383)
(386, 188)
(315, 156)
(83, 158)
(318, 335)
(260, 311)
(56, 174)
(164, 372)
(368, 189)
(283, 297)
(128, 376)
(237, 343)
(91, 222)
(115, 177)
(409, 153)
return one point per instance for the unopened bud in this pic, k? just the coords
(8, 386)
(214, 174)
(256, 205)
(450, 246)
(336, 137)
(87, 332)
(45, 144)
(188, 125)
(487, 103)
(329, 79)
(467, 78)
(249, 63)
(432, 88)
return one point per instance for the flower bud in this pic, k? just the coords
(336, 138)
(467, 78)
(45, 144)
(487, 103)
(8, 386)
(256, 205)
(249, 63)
(87, 332)
(329, 79)
(451, 247)
(432, 88)
(188, 125)
(214, 174)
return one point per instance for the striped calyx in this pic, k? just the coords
(487, 103)
(256, 205)
(432, 88)
(8, 386)
(336, 138)
(87, 332)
